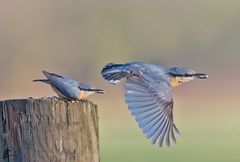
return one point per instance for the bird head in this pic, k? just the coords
(180, 75)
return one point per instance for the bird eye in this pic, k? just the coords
(181, 75)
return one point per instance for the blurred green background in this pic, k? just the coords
(77, 38)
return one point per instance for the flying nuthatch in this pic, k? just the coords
(148, 95)
(67, 88)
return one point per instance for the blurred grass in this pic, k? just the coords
(210, 131)
(194, 146)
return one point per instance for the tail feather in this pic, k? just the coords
(42, 80)
(48, 74)
(113, 73)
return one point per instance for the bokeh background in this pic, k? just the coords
(77, 38)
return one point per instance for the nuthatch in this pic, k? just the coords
(148, 95)
(67, 88)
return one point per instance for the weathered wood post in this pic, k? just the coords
(48, 130)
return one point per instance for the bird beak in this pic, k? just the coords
(201, 76)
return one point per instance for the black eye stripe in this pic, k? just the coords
(182, 75)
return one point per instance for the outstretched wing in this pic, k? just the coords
(151, 104)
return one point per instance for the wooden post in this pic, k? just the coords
(48, 130)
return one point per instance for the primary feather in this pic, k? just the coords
(149, 98)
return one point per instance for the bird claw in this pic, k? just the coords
(75, 101)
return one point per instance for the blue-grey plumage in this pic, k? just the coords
(148, 95)
(68, 88)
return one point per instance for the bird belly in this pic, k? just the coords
(84, 94)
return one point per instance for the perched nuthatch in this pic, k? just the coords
(148, 95)
(67, 88)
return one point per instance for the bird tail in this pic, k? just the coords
(42, 80)
(113, 73)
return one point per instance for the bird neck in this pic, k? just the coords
(175, 81)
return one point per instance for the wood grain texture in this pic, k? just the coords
(48, 130)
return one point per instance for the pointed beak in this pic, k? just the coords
(201, 76)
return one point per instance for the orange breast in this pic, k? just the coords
(175, 82)
(82, 95)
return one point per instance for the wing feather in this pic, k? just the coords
(157, 134)
(163, 133)
(66, 89)
(151, 104)
(150, 130)
(145, 121)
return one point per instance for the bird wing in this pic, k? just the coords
(151, 104)
(67, 89)
(83, 86)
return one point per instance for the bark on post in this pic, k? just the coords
(48, 130)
